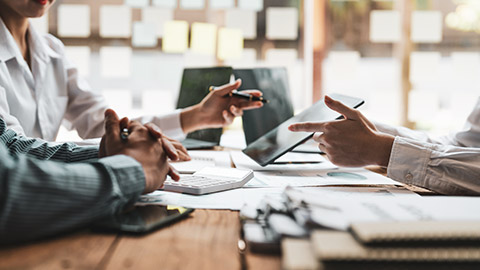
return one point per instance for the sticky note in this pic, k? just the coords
(165, 3)
(426, 26)
(119, 100)
(221, 4)
(175, 37)
(115, 61)
(80, 57)
(385, 26)
(144, 35)
(40, 24)
(115, 21)
(424, 66)
(466, 65)
(230, 43)
(137, 3)
(192, 4)
(155, 102)
(246, 20)
(282, 23)
(281, 56)
(157, 16)
(204, 38)
(74, 20)
(256, 5)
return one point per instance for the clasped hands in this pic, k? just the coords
(146, 144)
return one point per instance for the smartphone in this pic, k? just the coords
(142, 219)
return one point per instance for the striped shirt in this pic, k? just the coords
(48, 188)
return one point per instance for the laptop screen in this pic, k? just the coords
(273, 82)
(194, 87)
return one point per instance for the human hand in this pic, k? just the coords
(149, 151)
(352, 141)
(181, 153)
(218, 109)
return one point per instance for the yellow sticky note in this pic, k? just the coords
(204, 38)
(175, 37)
(230, 43)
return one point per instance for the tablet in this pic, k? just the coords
(278, 141)
(142, 219)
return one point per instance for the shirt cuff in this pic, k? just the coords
(128, 175)
(408, 162)
(170, 124)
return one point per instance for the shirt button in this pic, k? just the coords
(409, 177)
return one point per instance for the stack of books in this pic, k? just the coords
(387, 245)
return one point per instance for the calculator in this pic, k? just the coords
(209, 180)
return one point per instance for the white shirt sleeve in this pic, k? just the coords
(448, 164)
(442, 168)
(170, 124)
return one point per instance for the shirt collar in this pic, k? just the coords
(38, 45)
(8, 46)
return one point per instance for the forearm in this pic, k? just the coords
(65, 152)
(192, 119)
(444, 169)
(42, 198)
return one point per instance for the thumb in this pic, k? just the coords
(341, 108)
(112, 124)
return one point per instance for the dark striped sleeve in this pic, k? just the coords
(39, 198)
(65, 152)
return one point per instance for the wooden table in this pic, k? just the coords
(207, 240)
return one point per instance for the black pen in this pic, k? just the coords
(243, 95)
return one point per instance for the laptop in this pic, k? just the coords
(194, 87)
(273, 82)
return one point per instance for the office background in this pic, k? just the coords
(416, 63)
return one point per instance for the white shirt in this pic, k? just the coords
(448, 165)
(34, 102)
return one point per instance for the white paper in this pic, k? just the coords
(115, 61)
(230, 43)
(175, 37)
(80, 56)
(256, 5)
(40, 24)
(120, 100)
(424, 66)
(230, 199)
(204, 38)
(221, 4)
(319, 177)
(426, 26)
(282, 23)
(192, 4)
(385, 26)
(243, 19)
(74, 20)
(165, 3)
(157, 16)
(202, 159)
(339, 213)
(300, 157)
(115, 21)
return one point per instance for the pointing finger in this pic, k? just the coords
(341, 108)
(307, 127)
